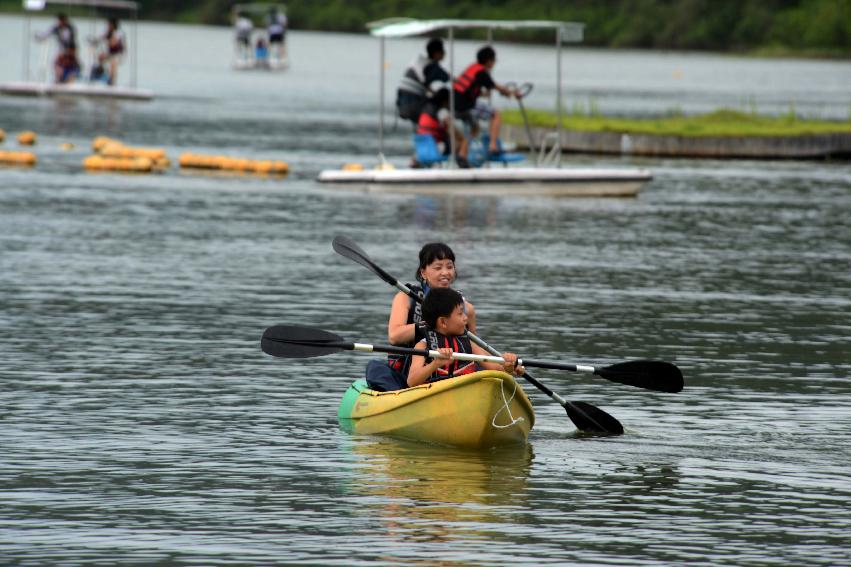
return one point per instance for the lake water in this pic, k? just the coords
(140, 422)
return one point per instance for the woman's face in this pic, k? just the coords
(440, 273)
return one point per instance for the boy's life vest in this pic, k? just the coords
(458, 343)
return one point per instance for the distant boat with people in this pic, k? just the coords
(451, 116)
(260, 36)
(60, 72)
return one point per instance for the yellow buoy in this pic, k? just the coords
(236, 164)
(27, 138)
(18, 158)
(130, 164)
(66, 146)
(102, 141)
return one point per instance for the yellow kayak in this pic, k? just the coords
(480, 410)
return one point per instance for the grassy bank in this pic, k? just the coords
(719, 123)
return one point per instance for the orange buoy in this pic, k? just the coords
(18, 158)
(27, 138)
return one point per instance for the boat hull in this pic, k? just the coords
(468, 411)
(517, 181)
(75, 90)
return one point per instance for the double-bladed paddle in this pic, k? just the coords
(585, 416)
(297, 341)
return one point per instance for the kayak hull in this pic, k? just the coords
(480, 410)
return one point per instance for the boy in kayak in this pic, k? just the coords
(405, 326)
(444, 314)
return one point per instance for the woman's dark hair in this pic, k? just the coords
(431, 252)
(440, 302)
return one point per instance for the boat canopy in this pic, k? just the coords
(406, 27)
(38, 5)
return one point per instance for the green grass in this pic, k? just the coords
(723, 122)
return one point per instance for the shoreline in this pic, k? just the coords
(721, 134)
(809, 146)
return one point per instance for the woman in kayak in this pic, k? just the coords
(405, 326)
(446, 319)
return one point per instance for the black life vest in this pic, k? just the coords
(402, 362)
(459, 343)
(464, 84)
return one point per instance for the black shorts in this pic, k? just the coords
(276, 38)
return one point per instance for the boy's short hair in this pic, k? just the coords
(485, 54)
(434, 46)
(440, 302)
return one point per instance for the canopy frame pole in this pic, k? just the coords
(381, 103)
(27, 48)
(558, 96)
(452, 148)
(135, 65)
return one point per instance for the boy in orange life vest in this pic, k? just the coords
(467, 88)
(443, 312)
(435, 121)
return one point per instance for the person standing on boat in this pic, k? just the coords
(406, 326)
(435, 120)
(113, 48)
(66, 67)
(468, 87)
(243, 27)
(415, 87)
(446, 319)
(277, 30)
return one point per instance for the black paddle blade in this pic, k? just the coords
(294, 341)
(345, 246)
(648, 374)
(591, 419)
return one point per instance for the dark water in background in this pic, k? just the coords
(140, 423)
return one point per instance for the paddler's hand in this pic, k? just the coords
(445, 356)
(511, 366)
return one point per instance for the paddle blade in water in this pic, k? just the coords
(648, 374)
(294, 341)
(591, 419)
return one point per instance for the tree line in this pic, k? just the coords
(804, 26)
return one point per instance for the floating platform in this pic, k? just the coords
(515, 181)
(254, 65)
(81, 89)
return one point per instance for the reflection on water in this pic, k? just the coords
(437, 494)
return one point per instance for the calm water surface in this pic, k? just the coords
(140, 423)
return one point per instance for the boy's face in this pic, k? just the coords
(455, 323)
